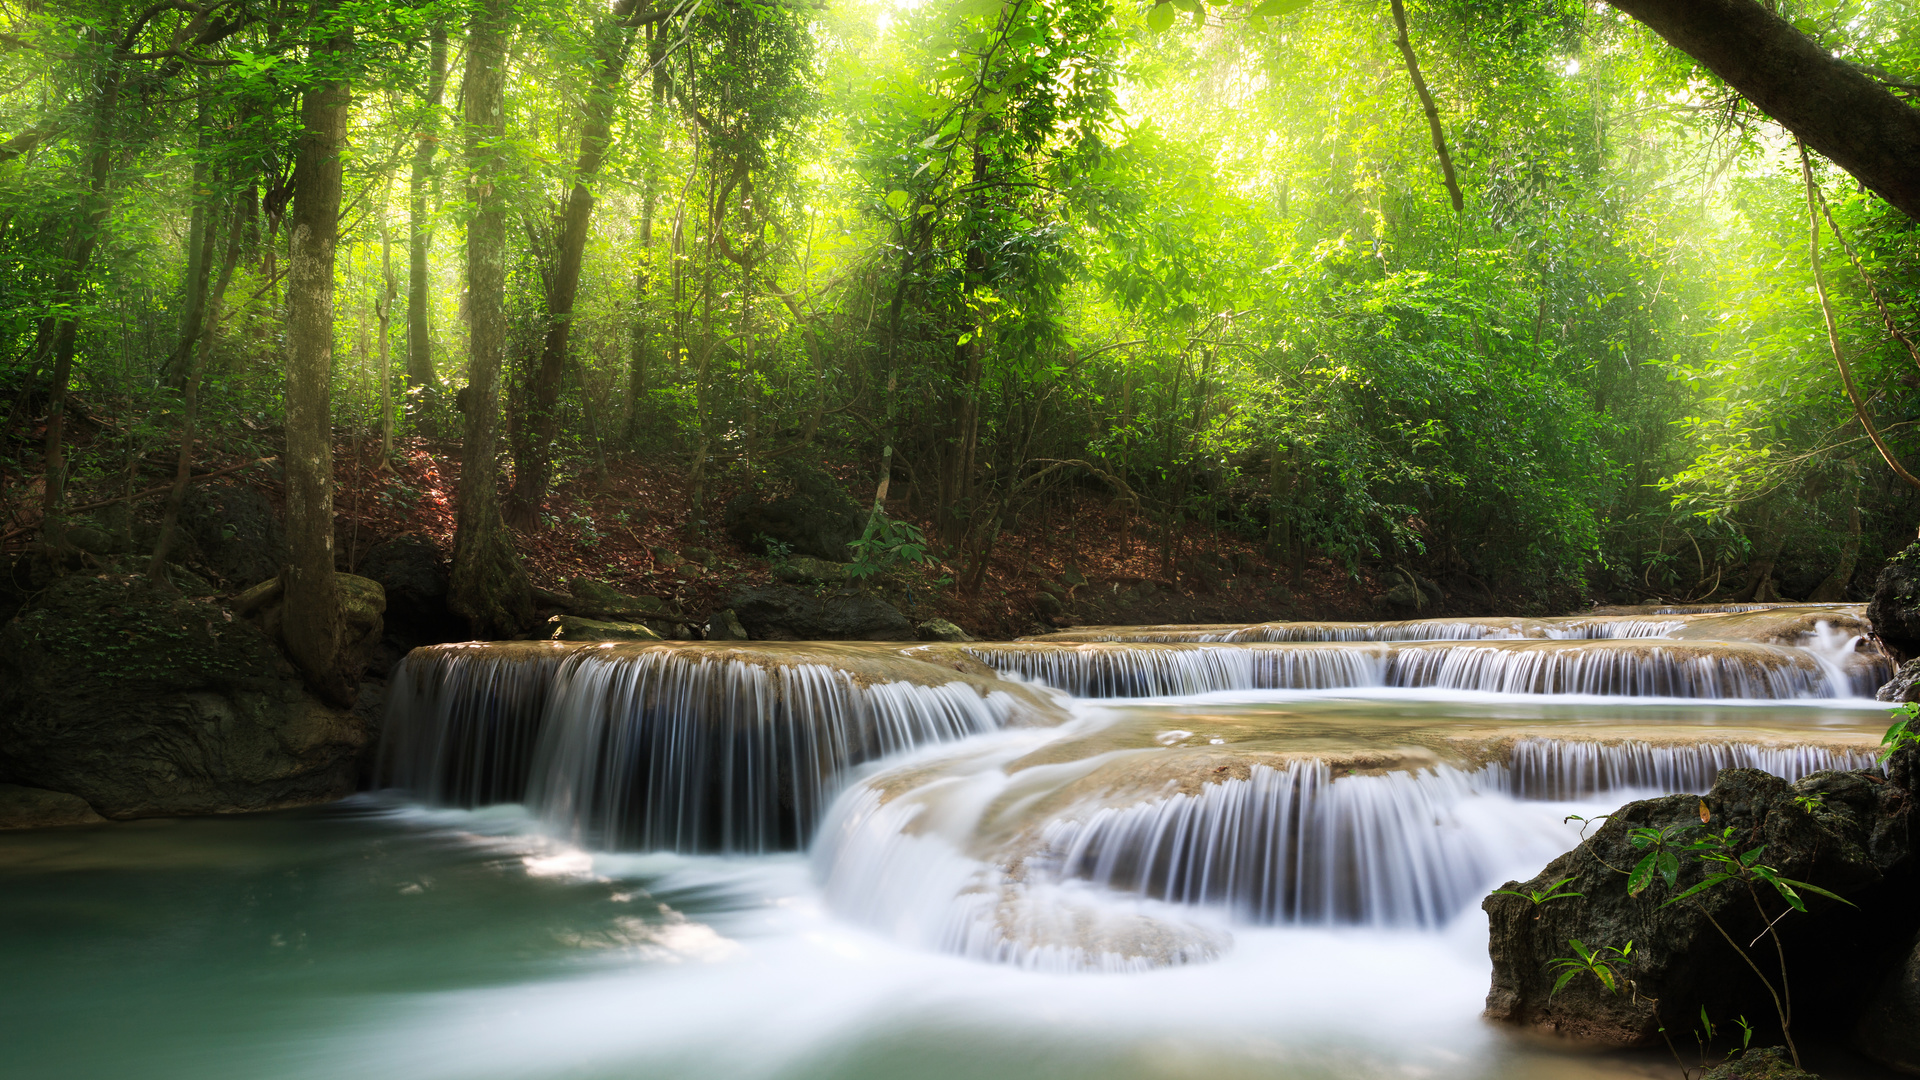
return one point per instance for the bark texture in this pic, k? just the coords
(419, 232)
(311, 624)
(1835, 108)
(489, 587)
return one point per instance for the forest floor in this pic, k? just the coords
(630, 529)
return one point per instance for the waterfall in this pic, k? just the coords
(1565, 769)
(1616, 667)
(673, 748)
(1096, 671)
(993, 864)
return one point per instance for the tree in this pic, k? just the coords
(489, 585)
(311, 621)
(1834, 106)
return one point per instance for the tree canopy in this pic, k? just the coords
(1515, 291)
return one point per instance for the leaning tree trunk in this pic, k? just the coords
(489, 586)
(310, 622)
(419, 231)
(533, 449)
(1833, 106)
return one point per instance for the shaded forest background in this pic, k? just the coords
(1076, 289)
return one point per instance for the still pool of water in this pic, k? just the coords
(376, 938)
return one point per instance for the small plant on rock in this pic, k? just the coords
(886, 544)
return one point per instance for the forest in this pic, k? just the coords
(1537, 303)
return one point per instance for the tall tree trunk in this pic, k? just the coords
(533, 448)
(310, 622)
(200, 236)
(1834, 587)
(1832, 105)
(489, 585)
(420, 378)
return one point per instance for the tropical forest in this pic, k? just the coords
(959, 538)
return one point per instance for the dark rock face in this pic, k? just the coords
(142, 703)
(414, 574)
(236, 533)
(1895, 607)
(1846, 832)
(1904, 686)
(1890, 1027)
(784, 613)
(38, 808)
(818, 519)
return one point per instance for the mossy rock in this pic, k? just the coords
(807, 570)
(142, 703)
(941, 630)
(1762, 1063)
(575, 628)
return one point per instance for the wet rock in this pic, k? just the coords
(1846, 832)
(1904, 686)
(235, 531)
(575, 628)
(941, 630)
(1895, 607)
(144, 703)
(1047, 605)
(725, 626)
(1889, 1029)
(784, 613)
(38, 808)
(818, 519)
(1760, 1063)
(414, 574)
(807, 570)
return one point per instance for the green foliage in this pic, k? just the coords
(1602, 963)
(1903, 734)
(886, 544)
(1536, 897)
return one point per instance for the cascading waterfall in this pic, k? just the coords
(663, 747)
(1102, 846)
(1622, 668)
(1568, 769)
(1291, 843)
(1166, 670)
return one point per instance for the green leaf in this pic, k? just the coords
(1818, 891)
(1160, 19)
(897, 200)
(1273, 9)
(1670, 868)
(1700, 888)
(1642, 875)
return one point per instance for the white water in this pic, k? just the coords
(1082, 900)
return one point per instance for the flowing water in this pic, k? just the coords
(1150, 852)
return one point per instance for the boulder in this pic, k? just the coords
(784, 613)
(144, 703)
(725, 626)
(1895, 607)
(575, 628)
(1845, 832)
(940, 630)
(1889, 1029)
(818, 519)
(1905, 684)
(235, 531)
(415, 576)
(38, 808)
